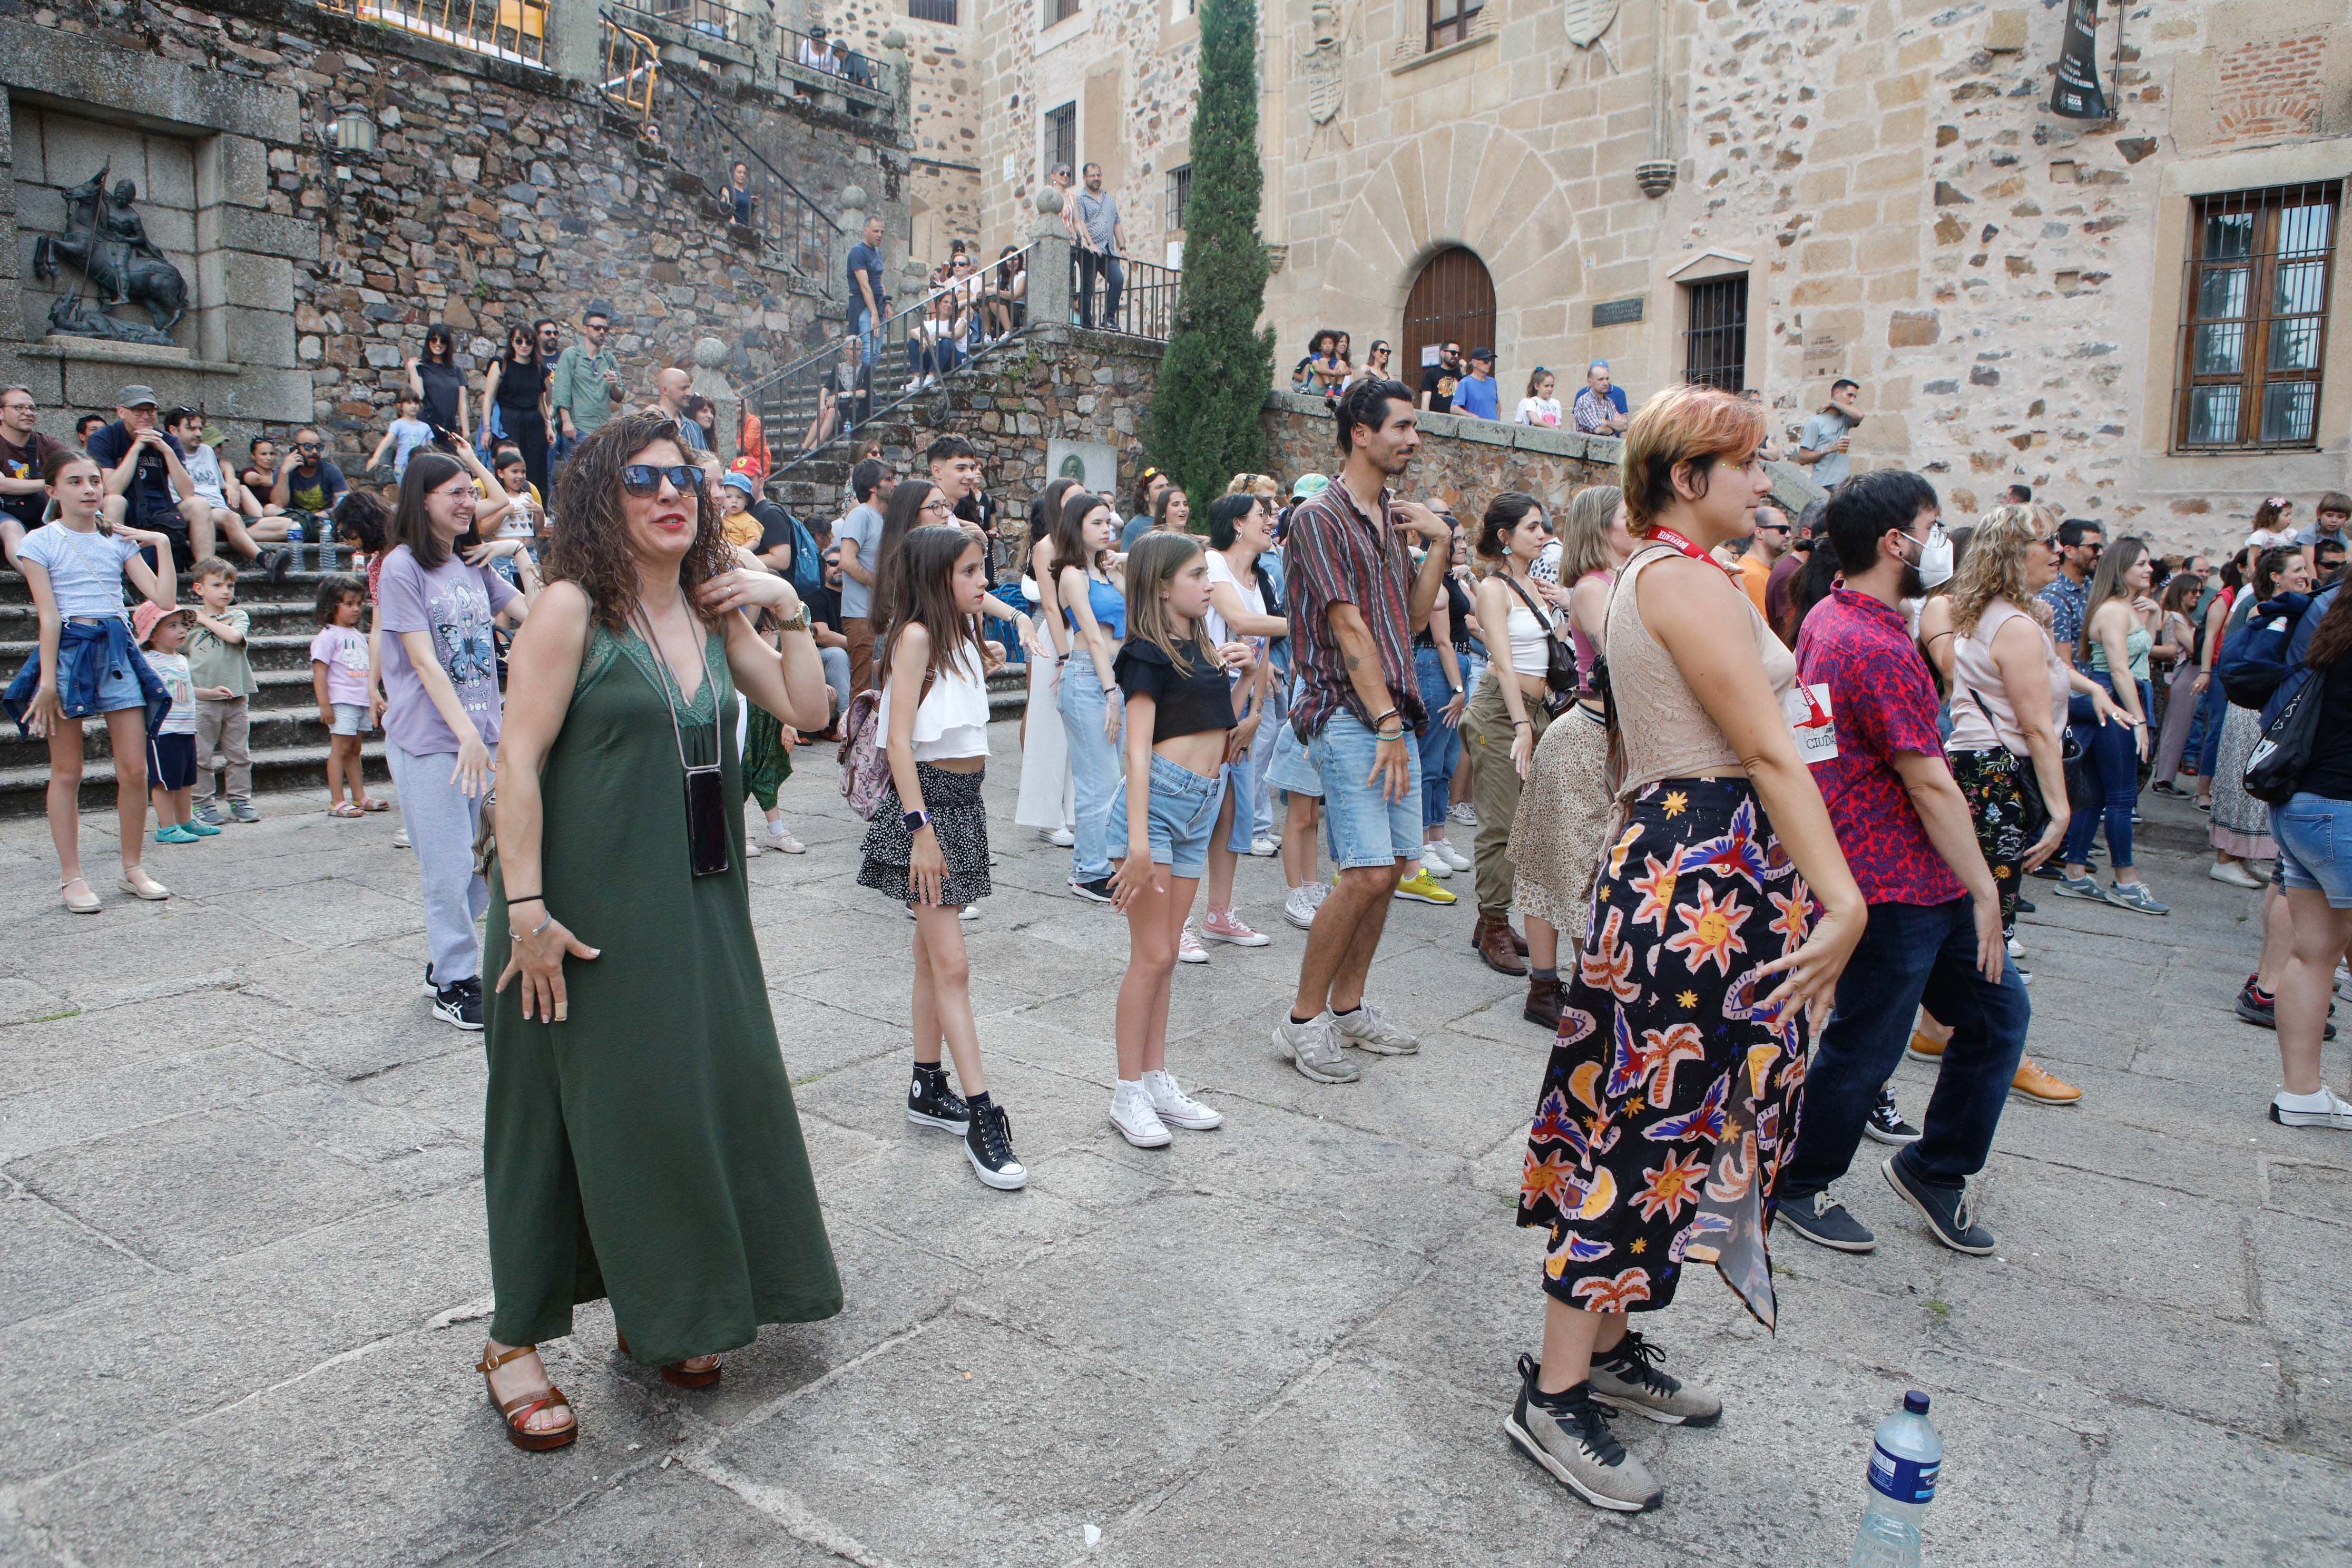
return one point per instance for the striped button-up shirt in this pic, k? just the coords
(1334, 554)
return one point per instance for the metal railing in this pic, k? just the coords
(858, 77)
(1120, 294)
(632, 70)
(512, 30)
(854, 378)
(706, 142)
(711, 19)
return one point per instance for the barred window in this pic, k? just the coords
(1715, 344)
(1449, 20)
(932, 11)
(1179, 190)
(2255, 318)
(1060, 11)
(1061, 137)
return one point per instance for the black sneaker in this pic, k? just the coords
(430, 989)
(1946, 1210)
(1567, 1433)
(1629, 1378)
(2166, 787)
(1098, 890)
(2024, 905)
(1822, 1220)
(988, 1144)
(2259, 1007)
(932, 1103)
(280, 564)
(1887, 1124)
(459, 1003)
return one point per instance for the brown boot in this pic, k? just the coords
(1492, 938)
(1518, 942)
(1544, 998)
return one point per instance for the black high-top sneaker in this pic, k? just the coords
(989, 1145)
(932, 1103)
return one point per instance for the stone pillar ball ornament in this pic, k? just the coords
(853, 198)
(1049, 203)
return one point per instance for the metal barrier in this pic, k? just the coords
(509, 29)
(712, 18)
(706, 142)
(1141, 303)
(823, 397)
(632, 70)
(860, 78)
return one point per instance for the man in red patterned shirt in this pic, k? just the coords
(1354, 604)
(1935, 914)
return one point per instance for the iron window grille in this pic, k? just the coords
(1715, 344)
(2253, 319)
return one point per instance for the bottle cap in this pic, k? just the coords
(1915, 1403)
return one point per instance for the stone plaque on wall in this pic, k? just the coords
(1618, 312)
(1094, 464)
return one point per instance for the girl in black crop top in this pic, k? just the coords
(1182, 703)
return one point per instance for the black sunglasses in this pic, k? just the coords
(645, 478)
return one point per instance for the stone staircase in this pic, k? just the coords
(289, 744)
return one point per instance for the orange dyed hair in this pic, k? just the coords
(1695, 425)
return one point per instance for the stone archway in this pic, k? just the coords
(1469, 184)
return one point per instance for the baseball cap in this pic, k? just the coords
(1309, 485)
(741, 481)
(150, 614)
(135, 396)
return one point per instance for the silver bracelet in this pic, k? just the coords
(515, 937)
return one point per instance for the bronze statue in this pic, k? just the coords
(106, 238)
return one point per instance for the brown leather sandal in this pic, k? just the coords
(677, 1374)
(524, 1406)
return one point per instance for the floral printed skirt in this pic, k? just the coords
(1670, 1100)
(1988, 781)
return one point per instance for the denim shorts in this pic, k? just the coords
(118, 683)
(1241, 783)
(1360, 827)
(351, 718)
(2315, 844)
(1183, 813)
(1287, 769)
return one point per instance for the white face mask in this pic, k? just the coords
(1936, 558)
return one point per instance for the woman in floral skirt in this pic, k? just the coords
(1722, 911)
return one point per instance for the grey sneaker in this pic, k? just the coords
(211, 816)
(1946, 1210)
(1567, 1433)
(1628, 1379)
(1368, 1031)
(1822, 1220)
(2083, 887)
(1315, 1051)
(2136, 896)
(242, 810)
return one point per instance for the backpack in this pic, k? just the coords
(808, 565)
(864, 771)
(2253, 660)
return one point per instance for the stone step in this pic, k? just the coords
(24, 792)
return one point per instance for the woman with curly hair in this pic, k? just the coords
(640, 1141)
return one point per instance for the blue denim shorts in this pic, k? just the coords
(1360, 827)
(1241, 783)
(1287, 769)
(2315, 844)
(1183, 813)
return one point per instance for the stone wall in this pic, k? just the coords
(944, 185)
(499, 192)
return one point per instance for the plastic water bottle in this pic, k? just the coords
(1905, 1457)
(294, 543)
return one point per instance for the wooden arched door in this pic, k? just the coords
(1453, 300)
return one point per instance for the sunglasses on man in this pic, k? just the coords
(642, 479)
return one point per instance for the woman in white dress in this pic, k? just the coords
(1048, 800)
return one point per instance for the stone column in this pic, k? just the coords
(1049, 264)
(576, 42)
(900, 76)
(852, 218)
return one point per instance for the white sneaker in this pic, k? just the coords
(1176, 1108)
(1434, 863)
(400, 840)
(751, 847)
(2325, 1109)
(1453, 857)
(784, 843)
(916, 385)
(2016, 948)
(1138, 1122)
(1465, 814)
(1298, 909)
(2235, 874)
(1367, 1031)
(1315, 1051)
(1188, 947)
(1059, 837)
(1261, 846)
(2344, 980)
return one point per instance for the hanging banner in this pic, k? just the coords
(2076, 94)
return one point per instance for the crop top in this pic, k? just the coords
(952, 720)
(1108, 605)
(1184, 703)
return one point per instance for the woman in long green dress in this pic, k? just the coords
(640, 1141)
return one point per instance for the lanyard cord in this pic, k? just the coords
(668, 680)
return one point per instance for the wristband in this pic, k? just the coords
(1522, 723)
(526, 898)
(1382, 719)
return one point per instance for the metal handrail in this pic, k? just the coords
(512, 30)
(787, 214)
(1146, 305)
(791, 402)
(858, 70)
(632, 69)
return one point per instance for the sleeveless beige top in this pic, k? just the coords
(1664, 730)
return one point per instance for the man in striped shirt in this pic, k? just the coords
(1354, 605)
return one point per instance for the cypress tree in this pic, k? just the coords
(1204, 425)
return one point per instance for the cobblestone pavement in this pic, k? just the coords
(243, 1284)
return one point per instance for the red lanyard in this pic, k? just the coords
(1669, 537)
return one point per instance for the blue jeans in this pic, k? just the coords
(2111, 776)
(868, 331)
(835, 661)
(1910, 954)
(1276, 717)
(2314, 841)
(2212, 711)
(1361, 825)
(1441, 744)
(1094, 766)
(1093, 264)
